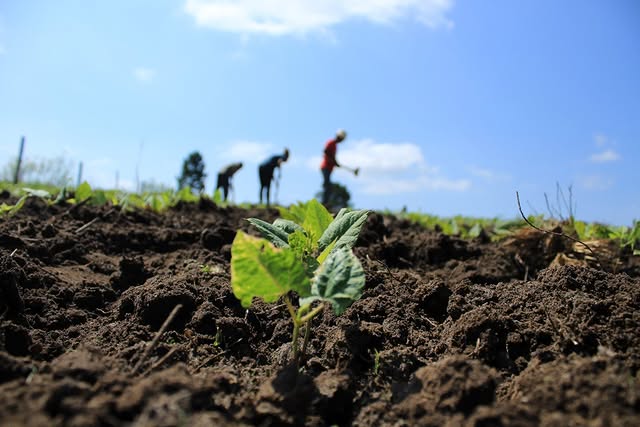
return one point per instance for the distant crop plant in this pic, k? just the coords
(193, 174)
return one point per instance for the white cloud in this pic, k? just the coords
(606, 146)
(595, 182)
(608, 155)
(391, 168)
(283, 17)
(386, 186)
(144, 74)
(382, 157)
(248, 151)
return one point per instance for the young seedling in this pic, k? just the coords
(376, 362)
(308, 252)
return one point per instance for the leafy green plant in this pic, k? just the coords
(627, 236)
(6, 209)
(308, 252)
(208, 269)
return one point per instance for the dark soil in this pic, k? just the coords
(523, 332)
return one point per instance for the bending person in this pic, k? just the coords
(266, 170)
(224, 178)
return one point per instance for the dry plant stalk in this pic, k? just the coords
(557, 233)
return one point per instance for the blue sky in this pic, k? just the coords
(450, 107)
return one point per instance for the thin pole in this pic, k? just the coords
(79, 174)
(16, 178)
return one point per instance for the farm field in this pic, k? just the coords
(525, 331)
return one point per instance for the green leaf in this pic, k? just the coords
(339, 281)
(12, 209)
(580, 228)
(155, 202)
(136, 201)
(325, 253)
(317, 218)
(303, 246)
(99, 198)
(341, 212)
(43, 194)
(475, 230)
(295, 213)
(275, 235)
(261, 270)
(343, 230)
(184, 195)
(287, 226)
(83, 192)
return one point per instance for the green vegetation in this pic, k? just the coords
(308, 252)
(157, 202)
(56, 171)
(625, 236)
(464, 226)
(461, 226)
(210, 270)
(496, 229)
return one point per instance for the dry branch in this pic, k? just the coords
(156, 339)
(555, 233)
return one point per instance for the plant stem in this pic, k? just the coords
(301, 316)
(294, 341)
(307, 328)
(292, 310)
(306, 320)
(312, 314)
(296, 326)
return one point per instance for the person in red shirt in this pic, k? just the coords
(329, 162)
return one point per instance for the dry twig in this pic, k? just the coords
(160, 362)
(555, 233)
(93, 221)
(156, 339)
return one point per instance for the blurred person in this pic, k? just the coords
(329, 162)
(224, 178)
(266, 170)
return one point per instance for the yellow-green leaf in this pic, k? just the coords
(261, 270)
(83, 191)
(317, 218)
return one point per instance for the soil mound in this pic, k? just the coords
(452, 332)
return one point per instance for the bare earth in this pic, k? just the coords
(448, 333)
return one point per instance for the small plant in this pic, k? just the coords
(376, 362)
(217, 342)
(6, 209)
(627, 236)
(208, 269)
(308, 252)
